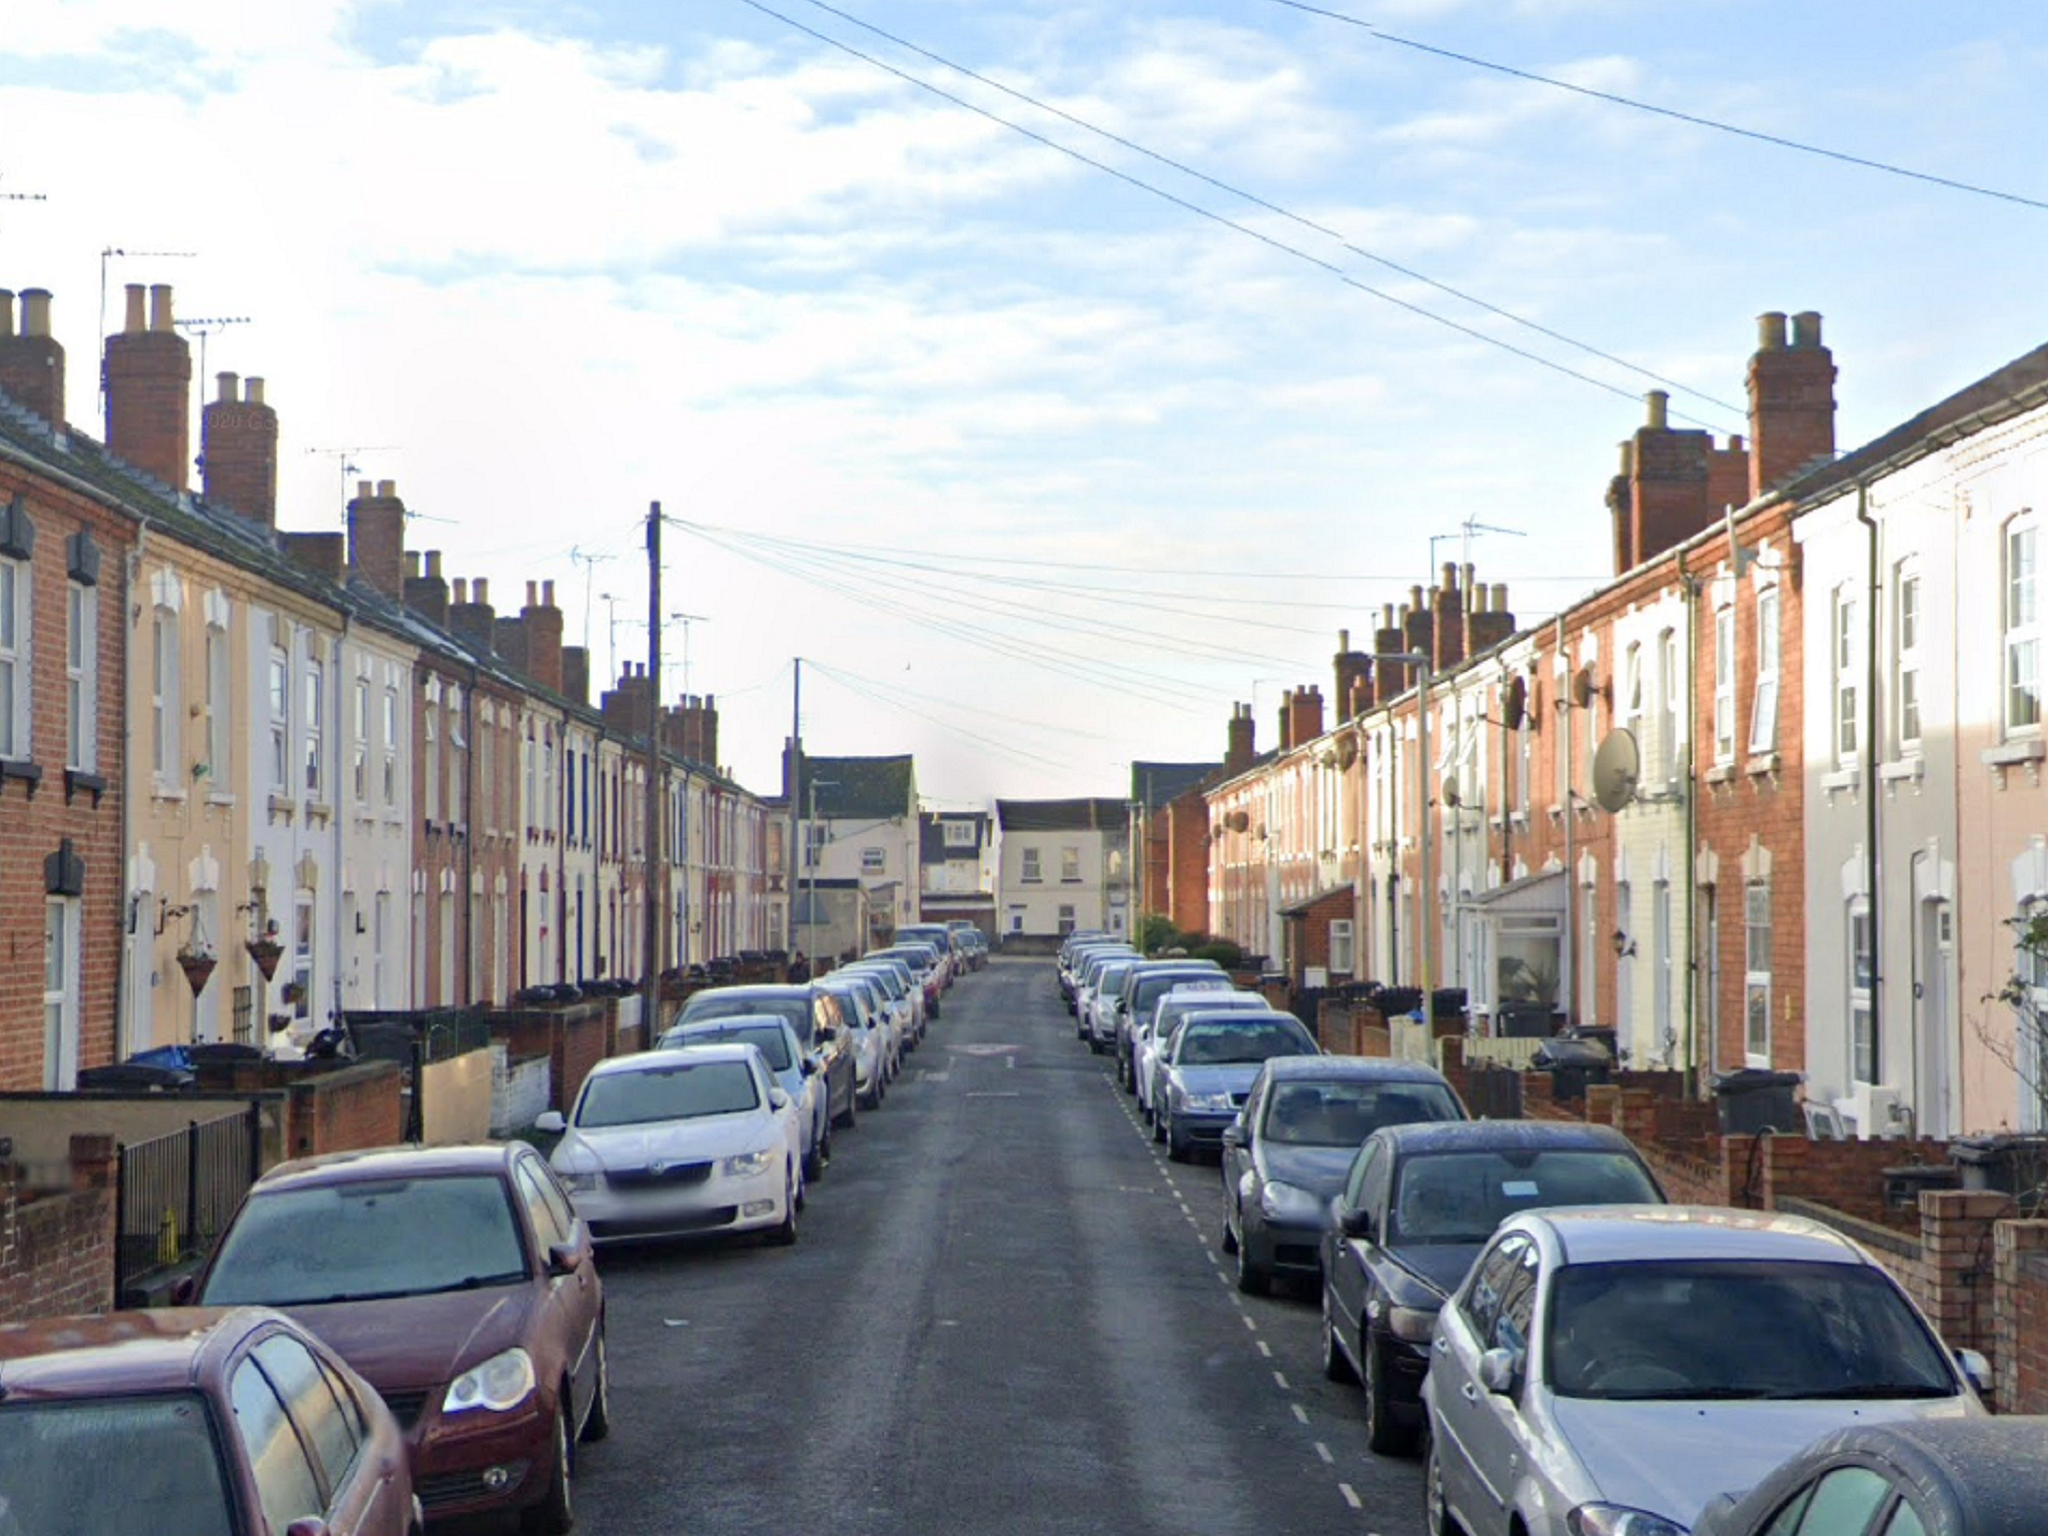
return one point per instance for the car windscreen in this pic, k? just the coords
(794, 1011)
(1460, 1197)
(1173, 1009)
(890, 983)
(1213, 1045)
(670, 1090)
(1724, 1329)
(1150, 988)
(112, 1464)
(367, 1239)
(773, 1042)
(1342, 1113)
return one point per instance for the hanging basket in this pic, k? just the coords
(198, 968)
(266, 953)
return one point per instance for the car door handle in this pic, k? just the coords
(1442, 1345)
(1470, 1392)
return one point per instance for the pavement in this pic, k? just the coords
(1006, 1313)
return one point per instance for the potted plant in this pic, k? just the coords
(266, 951)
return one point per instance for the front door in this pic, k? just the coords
(1934, 944)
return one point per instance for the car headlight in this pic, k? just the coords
(1618, 1520)
(1286, 1202)
(578, 1181)
(501, 1382)
(1207, 1101)
(748, 1163)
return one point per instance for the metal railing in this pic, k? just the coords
(175, 1194)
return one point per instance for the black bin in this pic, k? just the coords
(136, 1077)
(1755, 1099)
(1524, 1021)
(1903, 1186)
(2016, 1165)
(1572, 1065)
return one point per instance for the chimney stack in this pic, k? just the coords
(470, 617)
(1418, 625)
(1663, 495)
(427, 594)
(625, 707)
(238, 451)
(543, 621)
(324, 554)
(1354, 677)
(31, 362)
(1791, 400)
(1305, 715)
(1489, 623)
(1390, 678)
(1448, 622)
(576, 674)
(149, 390)
(1241, 749)
(376, 537)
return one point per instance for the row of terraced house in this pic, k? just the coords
(1770, 797)
(251, 777)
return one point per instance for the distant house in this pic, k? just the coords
(859, 820)
(1064, 864)
(1171, 841)
(958, 875)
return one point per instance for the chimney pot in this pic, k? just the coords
(434, 564)
(533, 594)
(1470, 572)
(1659, 402)
(1500, 598)
(481, 590)
(137, 317)
(547, 594)
(1770, 331)
(1343, 639)
(7, 313)
(387, 487)
(35, 312)
(1450, 581)
(160, 307)
(252, 389)
(1806, 329)
(461, 589)
(412, 564)
(1628, 459)
(230, 390)
(365, 490)
(1415, 599)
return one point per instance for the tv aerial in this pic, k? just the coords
(1617, 765)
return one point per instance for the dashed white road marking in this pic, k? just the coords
(1351, 1496)
(1300, 1413)
(1323, 1451)
(1251, 1323)
(1280, 1381)
(1265, 1349)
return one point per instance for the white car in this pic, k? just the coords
(1166, 1016)
(1102, 996)
(668, 1143)
(897, 987)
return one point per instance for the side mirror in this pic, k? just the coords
(1354, 1223)
(809, 1066)
(551, 1123)
(563, 1258)
(1233, 1134)
(778, 1099)
(185, 1292)
(1975, 1368)
(1499, 1370)
(826, 1034)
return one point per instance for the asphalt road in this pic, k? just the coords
(1006, 1313)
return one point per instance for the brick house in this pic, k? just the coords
(1169, 833)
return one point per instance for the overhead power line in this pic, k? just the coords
(1776, 140)
(1271, 207)
(1189, 205)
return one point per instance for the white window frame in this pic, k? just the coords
(873, 861)
(1763, 717)
(81, 676)
(1724, 684)
(1632, 695)
(17, 670)
(1343, 947)
(60, 994)
(1757, 937)
(278, 691)
(430, 744)
(360, 747)
(2020, 610)
(1845, 661)
(220, 695)
(458, 779)
(1070, 865)
(1032, 871)
(1909, 618)
(313, 735)
(1670, 703)
(1866, 1051)
(390, 745)
(164, 694)
(958, 834)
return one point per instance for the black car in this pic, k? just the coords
(813, 1012)
(1143, 986)
(1295, 1141)
(1419, 1203)
(1910, 1477)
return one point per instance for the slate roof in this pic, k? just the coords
(1063, 815)
(1156, 784)
(858, 787)
(931, 836)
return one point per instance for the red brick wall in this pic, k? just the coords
(579, 1045)
(346, 1110)
(33, 826)
(57, 1251)
(2021, 1316)
(149, 393)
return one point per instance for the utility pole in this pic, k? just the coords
(794, 787)
(657, 856)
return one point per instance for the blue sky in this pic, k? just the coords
(543, 263)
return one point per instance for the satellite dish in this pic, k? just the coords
(1616, 765)
(1582, 687)
(1347, 751)
(1450, 792)
(1238, 821)
(1514, 702)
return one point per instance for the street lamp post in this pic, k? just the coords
(1427, 920)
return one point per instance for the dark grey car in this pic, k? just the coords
(816, 1017)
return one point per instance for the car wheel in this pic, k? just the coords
(1437, 1518)
(1229, 1243)
(555, 1514)
(784, 1236)
(1384, 1434)
(1336, 1365)
(819, 1156)
(845, 1121)
(1252, 1278)
(1158, 1126)
(1176, 1149)
(598, 1422)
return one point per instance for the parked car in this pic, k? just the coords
(1076, 967)
(940, 938)
(1913, 1477)
(1209, 1071)
(1166, 1017)
(868, 1030)
(676, 1143)
(896, 994)
(193, 1420)
(1098, 997)
(1291, 1146)
(906, 985)
(1144, 984)
(820, 1025)
(1613, 1370)
(1416, 1205)
(971, 940)
(923, 961)
(457, 1281)
(795, 1073)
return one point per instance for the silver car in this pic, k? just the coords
(1607, 1372)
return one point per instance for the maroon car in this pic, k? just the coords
(192, 1422)
(460, 1283)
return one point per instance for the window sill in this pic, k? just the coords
(319, 810)
(76, 779)
(1841, 781)
(161, 789)
(1762, 764)
(1721, 773)
(2015, 754)
(1906, 770)
(220, 797)
(20, 768)
(281, 806)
